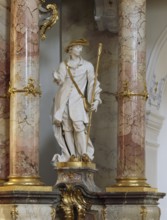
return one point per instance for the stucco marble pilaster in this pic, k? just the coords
(131, 110)
(24, 113)
(4, 81)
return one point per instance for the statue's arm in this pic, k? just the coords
(59, 75)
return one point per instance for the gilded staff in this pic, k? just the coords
(94, 89)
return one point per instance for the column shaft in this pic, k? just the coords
(4, 82)
(131, 89)
(24, 113)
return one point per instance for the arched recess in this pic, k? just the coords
(156, 117)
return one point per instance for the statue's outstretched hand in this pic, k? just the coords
(95, 106)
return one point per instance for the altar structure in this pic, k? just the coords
(76, 194)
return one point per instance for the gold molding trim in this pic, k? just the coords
(143, 212)
(131, 185)
(48, 24)
(78, 164)
(25, 181)
(14, 212)
(131, 181)
(26, 188)
(29, 89)
(130, 189)
(127, 93)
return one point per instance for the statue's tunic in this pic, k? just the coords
(84, 77)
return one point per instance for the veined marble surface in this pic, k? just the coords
(26, 212)
(4, 82)
(24, 115)
(132, 69)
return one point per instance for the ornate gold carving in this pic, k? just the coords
(143, 213)
(126, 92)
(104, 212)
(53, 213)
(29, 89)
(14, 212)
(48, 23)
(73, 198)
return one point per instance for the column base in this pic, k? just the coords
(131, 185)
(24, 181)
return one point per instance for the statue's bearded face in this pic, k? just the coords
(76, 50)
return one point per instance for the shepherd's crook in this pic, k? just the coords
(94, 89)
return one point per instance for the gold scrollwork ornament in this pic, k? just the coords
(48, 22)
(73, 198)
(29, 89)
(126, 92)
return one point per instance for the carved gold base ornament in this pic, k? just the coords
(73, 203)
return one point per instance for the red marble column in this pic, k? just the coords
(4, 82)
(24, 103)
(132, 93)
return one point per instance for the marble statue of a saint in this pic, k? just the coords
(69, 117)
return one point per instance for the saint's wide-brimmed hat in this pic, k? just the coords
(82, 42)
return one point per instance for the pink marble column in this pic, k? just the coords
(4, 82)
(131, 89)
(24, 113)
